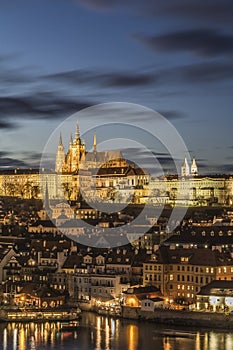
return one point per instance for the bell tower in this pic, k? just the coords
(60, 156)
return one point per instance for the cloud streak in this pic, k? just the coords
(39, 106)
(201, 42)
(104, 79)
(214, 11)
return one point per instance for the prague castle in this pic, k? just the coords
(114, 178)
(77, 158)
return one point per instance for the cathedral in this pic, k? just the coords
(78, 158)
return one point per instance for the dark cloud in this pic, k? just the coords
(105, 79)
(206, 72)
(195, 73)
(5, 125)
(157, 163)
(170, 115)
(214, 11)
(202, 42)
(39, 106)
(223, 168)
(99, 4)
(8, 162)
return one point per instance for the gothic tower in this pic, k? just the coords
(60, 157)
(194, 170)
(75, 154)
(185, 168)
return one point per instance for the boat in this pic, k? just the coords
(69, 326)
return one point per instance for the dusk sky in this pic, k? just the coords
(59, 56)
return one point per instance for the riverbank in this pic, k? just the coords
(39, 315)
(185, 318)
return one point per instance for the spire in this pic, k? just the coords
(71, 139)
(185, 168)
(194, 170)
(60, 140)
(95, 143)
(77, 134)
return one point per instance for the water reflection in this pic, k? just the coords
(132, 336)
(100, 333)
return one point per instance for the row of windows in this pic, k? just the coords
(152, 278)
(196, 279)
(184, 268)
(188, 295)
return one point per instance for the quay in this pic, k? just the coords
(39, 315)
(218, 320)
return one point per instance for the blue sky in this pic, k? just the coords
(59, 56)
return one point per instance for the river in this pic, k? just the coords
(102, 333)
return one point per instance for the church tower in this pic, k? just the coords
(60, 157)
(185, 168)
(194, 170)
(75, 154)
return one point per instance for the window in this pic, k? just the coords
(171, 277)
(184, 259)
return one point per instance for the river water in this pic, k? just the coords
(102, 333)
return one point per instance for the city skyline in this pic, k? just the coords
(173, 58)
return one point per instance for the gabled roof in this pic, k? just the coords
(72, 261)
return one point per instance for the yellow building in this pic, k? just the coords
(180, 273)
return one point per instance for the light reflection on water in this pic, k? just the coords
(101, 333)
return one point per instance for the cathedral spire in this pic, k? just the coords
(60, 140)
(77, 134)
(71, 139)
